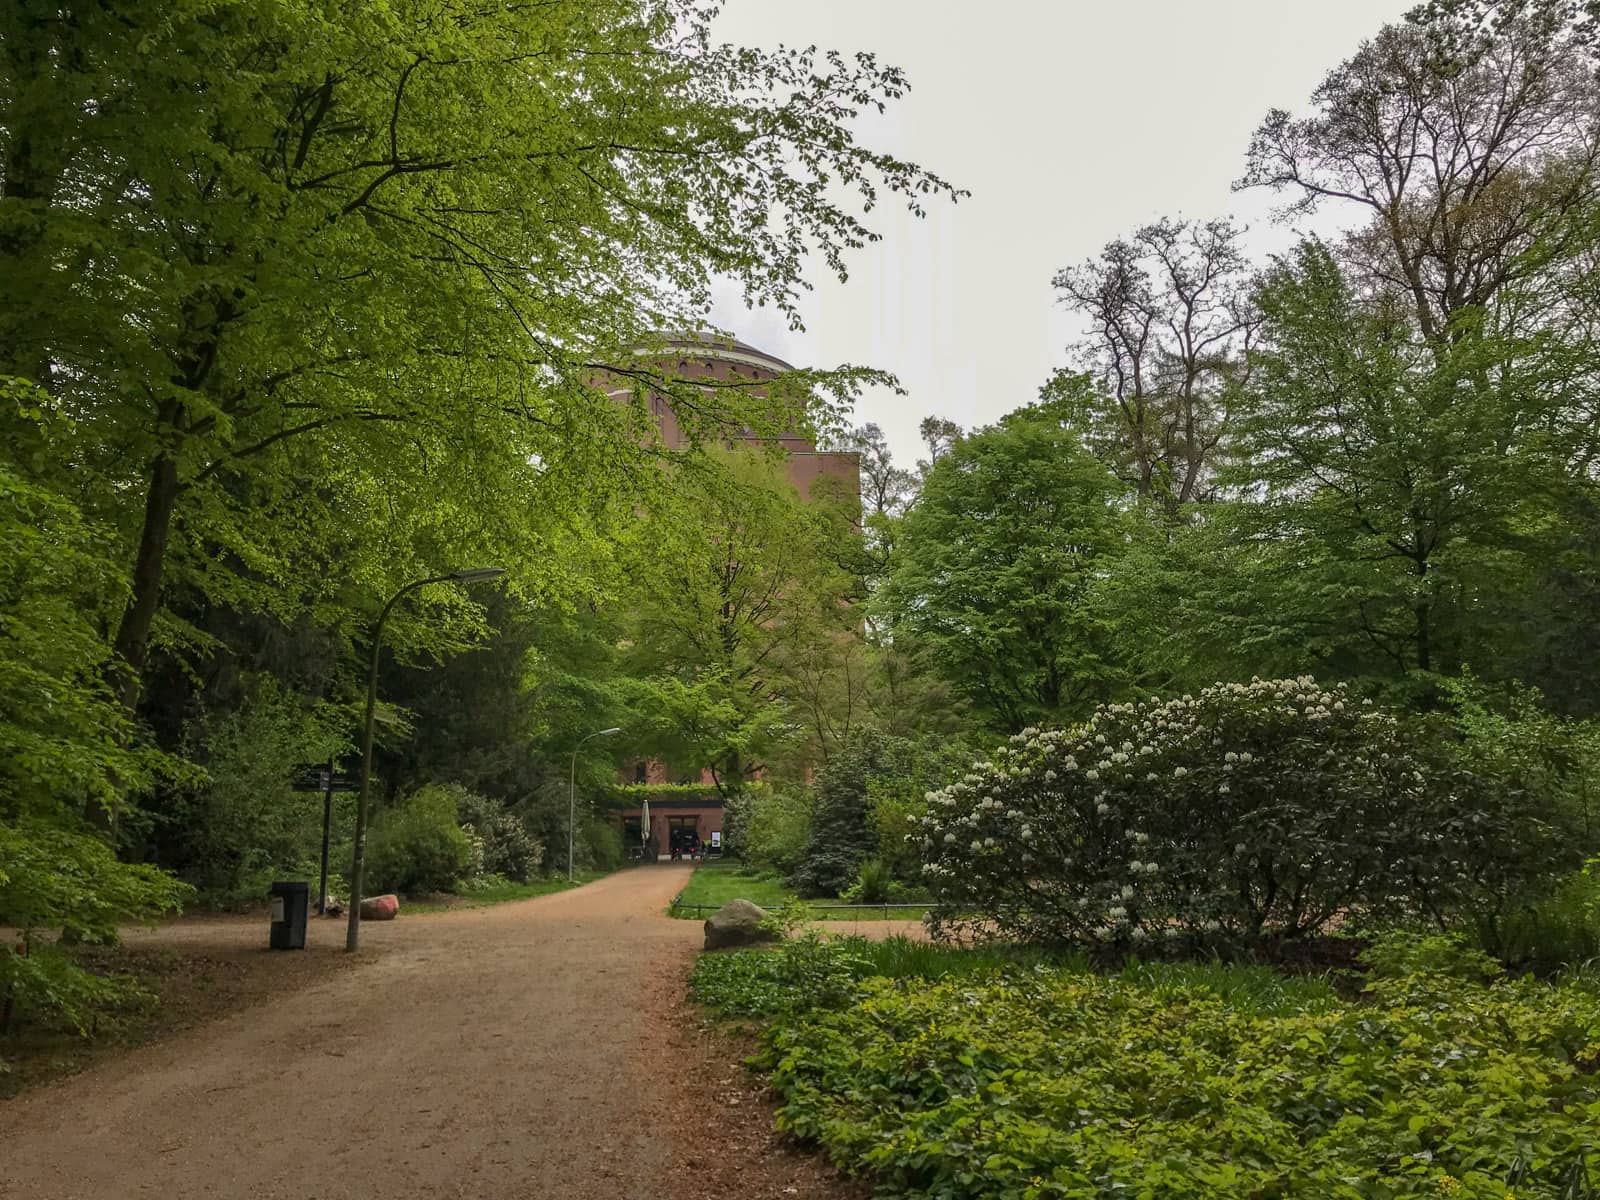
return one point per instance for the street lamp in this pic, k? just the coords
(352, 935)
(572, 790)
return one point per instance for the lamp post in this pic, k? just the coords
(572, 790)
(352, 935)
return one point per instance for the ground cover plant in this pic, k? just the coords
(955, 1074)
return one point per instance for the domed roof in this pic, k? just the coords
(718, 346)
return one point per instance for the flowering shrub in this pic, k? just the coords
(1248, 810)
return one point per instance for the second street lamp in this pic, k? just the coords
(352, 935)
(572, 790)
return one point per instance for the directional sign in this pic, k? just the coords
(315, 779)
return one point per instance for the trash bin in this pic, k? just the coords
(290, 902)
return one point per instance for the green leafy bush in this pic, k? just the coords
(1021, 1086)
(874, 885)
(811, 972)
(62, 880)
(507, 848)
(600, 848)
(1546, 932)
(63, 735)
(842, 837)
(244, 824)
(737, 812)
(1397, 955)
(804, 973)
(1247, 811)
(778, 829)
(1507, 735)
(417, 847)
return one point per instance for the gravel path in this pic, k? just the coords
(513, 1051)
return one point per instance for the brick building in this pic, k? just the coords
(686, 810)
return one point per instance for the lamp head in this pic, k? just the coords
(478, 574)
(609, 732)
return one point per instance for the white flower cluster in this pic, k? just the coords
(1041, 816)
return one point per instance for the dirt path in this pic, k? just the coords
(514, 1051)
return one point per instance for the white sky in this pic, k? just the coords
(1071, 123)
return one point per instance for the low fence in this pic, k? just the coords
(678, 908)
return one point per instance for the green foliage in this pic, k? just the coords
(63, 739)
(1507, 735)
(806, 972)
(738, 604)
(601, 845)
(47, 988)
(1400, 954)
(1557, 927)
(68, 881)
(244, 823)
(343, 293)
(779, 828)
(842, 837)
(764, 982)
(1215, 820)
(1507, 732)
(507, 849)
(738, 810)
(897, 802)
(1188, 1081)
(995, 568)
(874, 884)
(416, 846)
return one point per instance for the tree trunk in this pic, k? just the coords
(133, 634)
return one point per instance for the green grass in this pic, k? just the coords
(502, 892)
(716, 883)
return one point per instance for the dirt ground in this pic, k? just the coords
(542, 1048)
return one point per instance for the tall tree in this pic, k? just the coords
(1170, 328)
(996, 567)
(1426, 402)
(1469, 154)
(240, 243)
(887, 489)
(739, 619)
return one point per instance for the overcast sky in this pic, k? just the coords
(1071, 123)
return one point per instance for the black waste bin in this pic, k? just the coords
(290, 902)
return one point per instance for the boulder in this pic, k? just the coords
(380, 908)
(738, 923)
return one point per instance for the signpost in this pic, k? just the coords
(324, 780)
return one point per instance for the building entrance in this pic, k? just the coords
(683, 836)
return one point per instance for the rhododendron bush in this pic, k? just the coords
(1246, 811)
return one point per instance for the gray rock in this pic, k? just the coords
(738, 923)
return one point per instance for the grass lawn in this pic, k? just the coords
(499, 893)
(715, 883)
